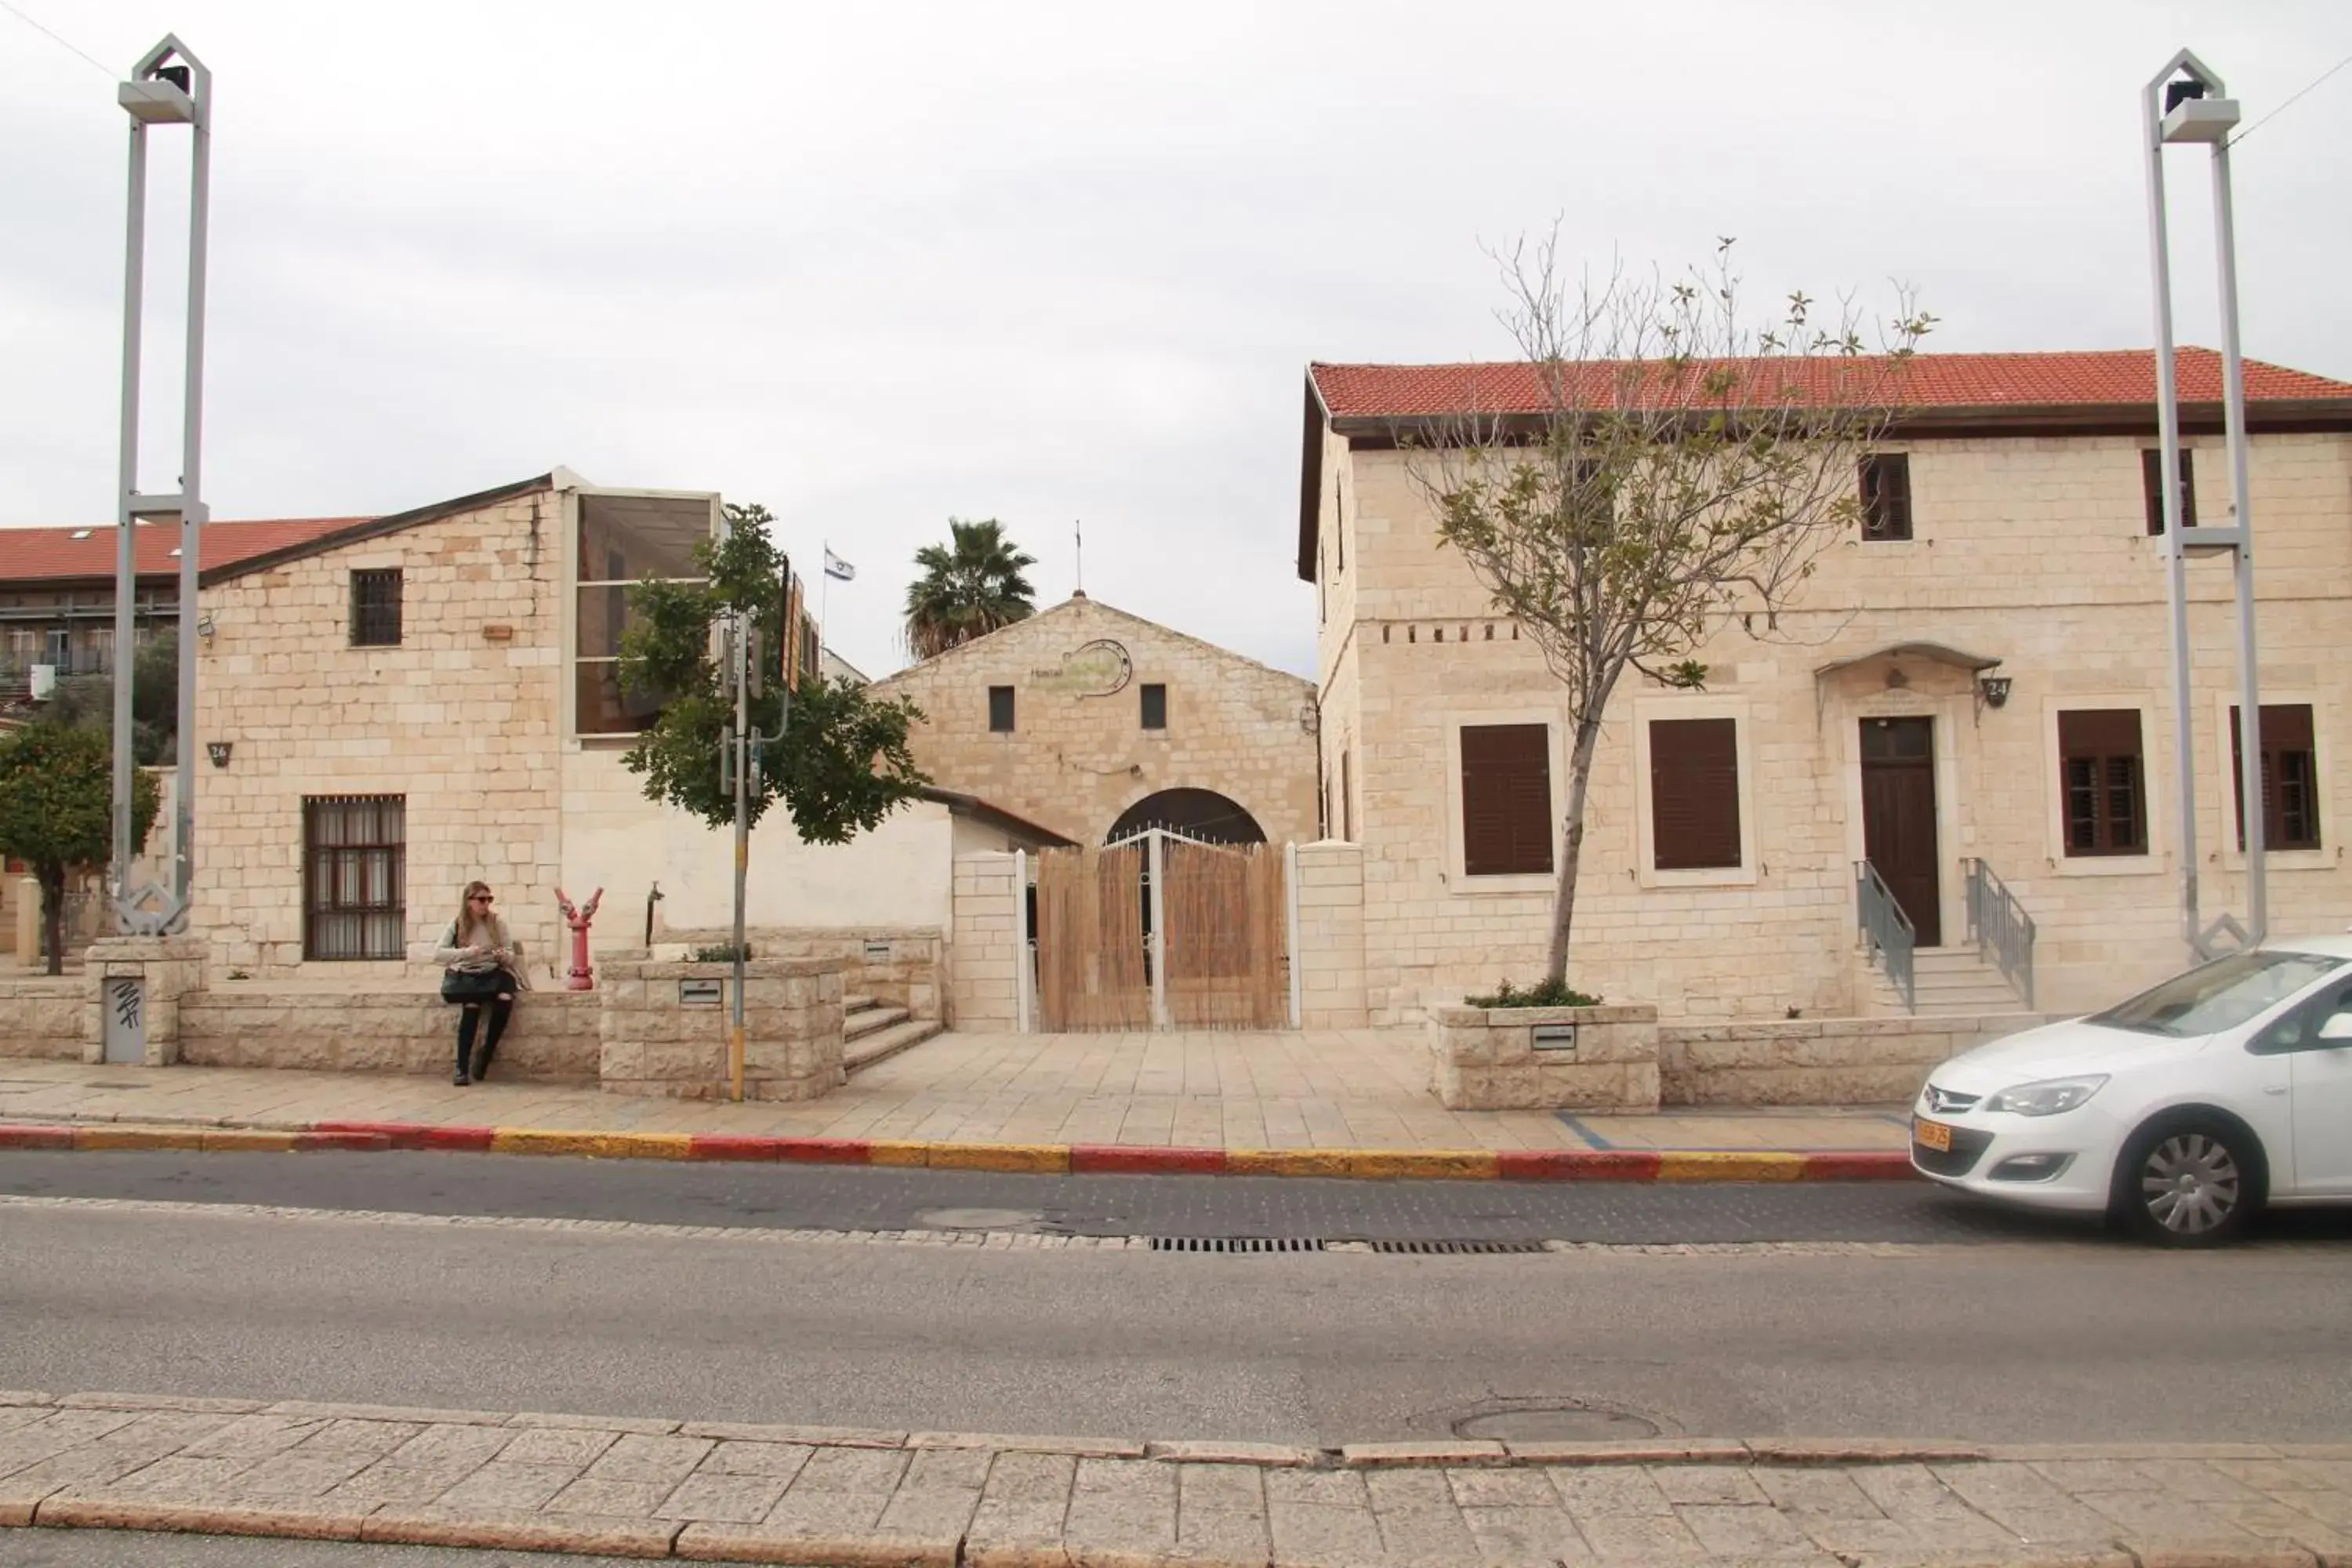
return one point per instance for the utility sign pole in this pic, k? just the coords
(743, 770)
(169, 86)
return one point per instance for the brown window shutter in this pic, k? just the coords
(1693, 794)
(2103, 794)
(2290, 815)
(1346, 801)
(1507, 826)
(2152, 486)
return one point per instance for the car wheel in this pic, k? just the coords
(2189, 1182)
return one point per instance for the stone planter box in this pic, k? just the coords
(664, 1027)
(1545, 1059)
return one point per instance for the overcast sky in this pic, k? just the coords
(874, 265)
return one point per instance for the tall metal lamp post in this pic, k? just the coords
(2185, 103)
(168, 87)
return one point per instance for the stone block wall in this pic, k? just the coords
(991, 943)
(1331, 936)
(1078, 756)
(1832, 1061)
(907, 974)
(651, 1045)
(464, 719)
(46, 1018)
(1487, 1059)
(1421, 653)
(552, 1038)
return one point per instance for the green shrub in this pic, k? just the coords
(1543, 994)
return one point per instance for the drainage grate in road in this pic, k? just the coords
(1455, 1247)
(1236, 1244)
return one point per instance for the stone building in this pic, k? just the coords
(1097, 723)
(400, 704)
(1972, 692)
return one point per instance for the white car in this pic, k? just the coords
(2179, 1112)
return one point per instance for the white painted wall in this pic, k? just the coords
(900, 874)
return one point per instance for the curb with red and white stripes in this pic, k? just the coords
(1628, 1165)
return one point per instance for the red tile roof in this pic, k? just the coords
(2120, 377)
(62, 554)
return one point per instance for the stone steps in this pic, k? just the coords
(862, 1016)
(863, 1050)
(1949, 983)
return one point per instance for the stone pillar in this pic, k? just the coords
(662, 1027)
(135, 983)
(28, 922)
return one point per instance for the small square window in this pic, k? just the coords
(1000, 709)
(1155, 707)
(375, 608)
(1886, 496)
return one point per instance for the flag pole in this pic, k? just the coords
(824, 596)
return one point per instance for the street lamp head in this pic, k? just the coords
(166, 86)
(2190, 115)
(2180, 90)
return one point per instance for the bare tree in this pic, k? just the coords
(1663, 466)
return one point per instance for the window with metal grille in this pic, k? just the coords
(2290, 776)
(2151, 488)
(2106, 800)
(354, 877)
(1693, 794)
(1000, 709)
(376, 607)
(1886, 496)
(1155, 707)
(1506, 827)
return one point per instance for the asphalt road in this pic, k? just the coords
(2049, 1336)
(859, 1198)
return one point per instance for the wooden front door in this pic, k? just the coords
(1898, 818)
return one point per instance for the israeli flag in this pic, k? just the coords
(836, 568)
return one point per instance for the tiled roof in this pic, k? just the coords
(61, 554)
(2087, 378)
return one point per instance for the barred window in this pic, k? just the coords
(376, 607)
(354, 877)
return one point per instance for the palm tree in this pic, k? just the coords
(969, 587)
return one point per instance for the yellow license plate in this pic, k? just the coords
(1931, 1135)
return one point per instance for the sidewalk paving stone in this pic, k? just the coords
(613, 1487)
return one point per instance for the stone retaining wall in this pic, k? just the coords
(45, 1017)
(651, 1043)
(1826, 1061)
(903, 972)
(554, 1037)
(1487, 1058)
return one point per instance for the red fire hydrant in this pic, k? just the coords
(581, 977)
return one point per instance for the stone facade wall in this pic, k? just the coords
(1486, 1059)
(46, 1018)
(462, 717)
(991, 943)
(791, 1024)
(1331, 936)
(2030, 551)
(551, 1038)
(1836, 1061)
(1075, 762)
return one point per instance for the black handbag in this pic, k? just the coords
(460, 986)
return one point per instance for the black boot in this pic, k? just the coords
(466, 1018)
(501, 1010)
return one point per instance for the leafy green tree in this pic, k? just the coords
(57, 807)
(842, 765)
(87, 702)
(1679, 465)
(969, 587)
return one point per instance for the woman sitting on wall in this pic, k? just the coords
(481, 969)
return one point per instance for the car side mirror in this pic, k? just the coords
(2337, 1030)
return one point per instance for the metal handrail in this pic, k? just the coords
(2003, 930)
(1887, 930)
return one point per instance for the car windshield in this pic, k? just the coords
(2219, 995)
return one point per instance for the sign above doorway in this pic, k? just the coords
(1096, 668)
